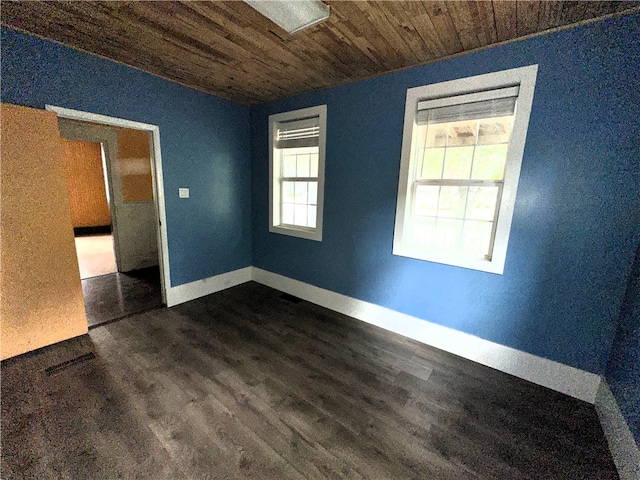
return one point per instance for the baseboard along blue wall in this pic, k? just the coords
(576, 223)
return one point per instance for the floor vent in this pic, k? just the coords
(69, 363)
(290, 298)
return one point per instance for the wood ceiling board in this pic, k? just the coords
(423, 25)
(444, 27)
(391, 32)
(363, 28)
(488, 35)
(228, 49)
(397, 17)
(466, 21)
(549, 14)
(506, 19)
(360, 42)
(527, 17)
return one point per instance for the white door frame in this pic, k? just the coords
(156, 170)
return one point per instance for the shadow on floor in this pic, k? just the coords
(116, 295)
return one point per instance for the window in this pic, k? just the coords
(297, 150)
(461, 154)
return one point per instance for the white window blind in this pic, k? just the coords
(488, 104)
(298, 133)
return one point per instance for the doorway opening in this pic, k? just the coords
(85, 168)
(115, 193)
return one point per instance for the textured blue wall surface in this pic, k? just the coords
(623, 371)
(576, 222)
(204, 142)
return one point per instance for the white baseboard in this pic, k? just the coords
(557, 376)
(207, 286)
(624, 450)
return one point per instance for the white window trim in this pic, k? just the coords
(526, 78)
(319, 111)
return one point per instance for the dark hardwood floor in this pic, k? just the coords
(245, 384)
(116, 295)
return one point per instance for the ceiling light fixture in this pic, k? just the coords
(292, 15)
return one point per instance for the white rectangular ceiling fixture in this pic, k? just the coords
(292, 15)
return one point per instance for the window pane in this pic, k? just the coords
(457, 164)
(420, 137)
(302, 169)
(462, 133)
(300, 192)
(426, 200)
(489, 161)
(482, 203)
(300, 215)
(452, 202)
(424, 231)
(287, 213)
(288, 192)
(311, 221)
(313, 193)
(289, 166)
(431, 167)
(314, 165)
(495, 130)
(476, 238)
(436, 135)
(448, 233)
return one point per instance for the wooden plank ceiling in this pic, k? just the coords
(228, 49)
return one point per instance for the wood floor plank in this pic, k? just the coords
(384, 401)
(244, 384)
(311, 458)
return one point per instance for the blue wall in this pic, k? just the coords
(623, 371)
(576, 222)
(204, 141)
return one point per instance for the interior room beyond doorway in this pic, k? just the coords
(109, 178)
(95, 255)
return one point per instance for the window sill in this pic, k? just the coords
(300, 232)
(490, 266)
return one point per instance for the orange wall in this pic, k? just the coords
(134, 165)
(85, 180)
(41, 299)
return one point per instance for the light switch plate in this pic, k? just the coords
(183, 192)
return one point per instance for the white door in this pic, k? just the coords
(133, 217)
(135, 213)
